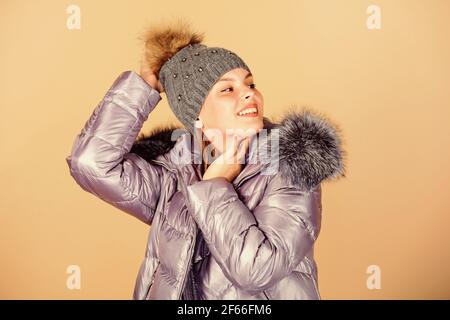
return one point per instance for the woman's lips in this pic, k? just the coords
(249, 115)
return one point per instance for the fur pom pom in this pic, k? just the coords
(164, 40)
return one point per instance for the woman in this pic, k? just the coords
(227, 229)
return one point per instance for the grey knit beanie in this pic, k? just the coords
(188, 76)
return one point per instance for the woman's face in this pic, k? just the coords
(233, 93)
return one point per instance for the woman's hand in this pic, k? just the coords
(228, 165)
(149, 76)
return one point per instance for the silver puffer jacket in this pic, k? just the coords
(210, 239)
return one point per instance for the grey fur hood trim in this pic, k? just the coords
(310, 147)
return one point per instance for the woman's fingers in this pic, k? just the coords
(242, 149)
(149, 75)
(236, 148)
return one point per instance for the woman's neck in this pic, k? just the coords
(205, 163)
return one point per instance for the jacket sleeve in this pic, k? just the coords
(100, 161)
(255, 249)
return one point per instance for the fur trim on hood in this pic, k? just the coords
(310, 147)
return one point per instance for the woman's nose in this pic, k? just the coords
(248, 94)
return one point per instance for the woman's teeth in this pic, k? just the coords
(248, 111)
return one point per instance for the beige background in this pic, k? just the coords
(387, 89)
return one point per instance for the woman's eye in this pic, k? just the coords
(251, 86)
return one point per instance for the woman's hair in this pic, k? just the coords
(163, 40)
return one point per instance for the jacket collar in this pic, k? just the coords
(309, 149)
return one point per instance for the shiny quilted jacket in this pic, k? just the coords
(210, 239)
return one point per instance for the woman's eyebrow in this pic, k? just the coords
(231, 79)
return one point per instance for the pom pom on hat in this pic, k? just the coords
(162, 41)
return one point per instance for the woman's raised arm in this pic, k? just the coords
(100, 161)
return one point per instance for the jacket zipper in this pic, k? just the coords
(190, 255)
(191, 249)
(183, 282)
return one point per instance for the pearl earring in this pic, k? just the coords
(198, 123)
